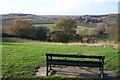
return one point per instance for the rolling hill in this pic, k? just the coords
(84, 20)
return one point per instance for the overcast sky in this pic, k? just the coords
(59, 7)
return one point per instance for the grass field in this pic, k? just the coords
(80, 29)
(49, 26)
(22, 59)
(83, 30)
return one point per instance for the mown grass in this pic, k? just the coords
(22, 59)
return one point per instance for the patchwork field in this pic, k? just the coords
(22, 59)
(80, 29)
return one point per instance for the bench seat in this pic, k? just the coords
(75, 63)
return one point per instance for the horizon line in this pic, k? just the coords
(58, 14)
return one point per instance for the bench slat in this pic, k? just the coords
(75, 63)
(76, 56)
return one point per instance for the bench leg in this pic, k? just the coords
(50, 63)
(47, 70)
(47, 66)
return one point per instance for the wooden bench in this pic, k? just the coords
(83, 63)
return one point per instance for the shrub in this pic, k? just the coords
(41, 33)
(21, 28)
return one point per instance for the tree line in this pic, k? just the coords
(64, 30)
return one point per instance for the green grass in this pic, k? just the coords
(30, 19)
(49, 26)
(83, 30)
(22, 59)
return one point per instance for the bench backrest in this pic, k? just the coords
(75, 56)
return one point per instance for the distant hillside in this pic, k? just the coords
(85, 20)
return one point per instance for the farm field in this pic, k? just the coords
(85, 27)
(22, 59)
(49, 26)
(81, 28)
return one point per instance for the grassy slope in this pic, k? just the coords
(79, 28)
(22, 59)
(49, 26)
(83, 30)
